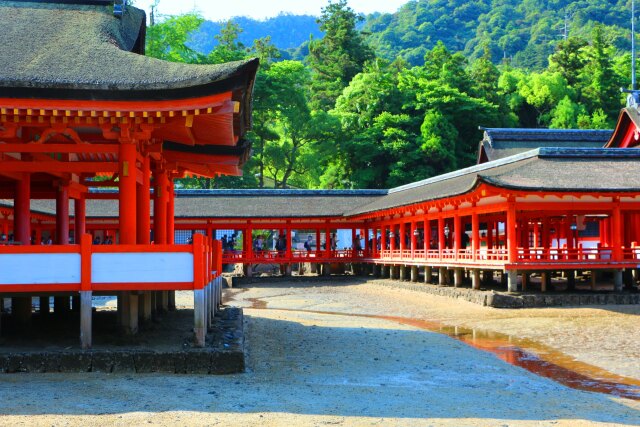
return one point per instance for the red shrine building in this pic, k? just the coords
(85, 111)
(80, 103)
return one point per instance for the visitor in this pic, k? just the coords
(308, 244)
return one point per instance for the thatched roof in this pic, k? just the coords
(81, 51)
(499, 143)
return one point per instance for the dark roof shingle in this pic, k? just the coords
(75, 51)
(499, 143)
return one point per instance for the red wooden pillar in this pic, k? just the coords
(414, 238)
(457, 232)
(160, 207)
(546, 233)
(38, 234)
(327, 242)
(62, 215)
(489, 234)
(374, 242)
(616, 231)
(171, 198)
(288, 239)
(318, 241)
(536, 234)
(143, 195)
(627, 225)
(403, 240)
(441, 235)
(127, 193)
(426, 235)
(353, 241)
(80, 220)
(247, 243)
(22, 210)
(475, 234)
(512, 243)
(569, 232)
(383, 237)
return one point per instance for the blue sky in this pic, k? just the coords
(217, 10)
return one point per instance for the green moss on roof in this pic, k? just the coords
(82, 47)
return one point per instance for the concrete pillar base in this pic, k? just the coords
(475, 279)
(428, 274)
(525, 281)
(248, 270)
(402, 273)
(594, 279)
(414, 273)
(442, 276)
(145, 305)
(85, 319)
(128, 312)
(457, 277)
(199, 313)
(512, 280)
(617, 280)
(544, 278)
(326, 269)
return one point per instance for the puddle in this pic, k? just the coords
(530, 355)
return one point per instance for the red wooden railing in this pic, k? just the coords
(89, 267)
(482, 256)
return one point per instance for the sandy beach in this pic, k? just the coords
(324, 353)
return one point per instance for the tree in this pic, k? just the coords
(568, 59)
(291, 129)
(338, 56)
(168, 39)
(228, 48)
(598, 79)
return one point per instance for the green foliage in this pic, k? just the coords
(338, 56)
(168, 39)
(344, 117)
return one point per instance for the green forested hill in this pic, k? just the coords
(286, 31)
(399, 97)
(525, 32)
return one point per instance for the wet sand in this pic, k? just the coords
(309, 367)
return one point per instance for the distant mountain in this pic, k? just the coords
(524, 31)
(286, 31)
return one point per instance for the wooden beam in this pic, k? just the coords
(59, 148)
(56, 167)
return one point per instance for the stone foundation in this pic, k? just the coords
(523, 300)
(223, 354)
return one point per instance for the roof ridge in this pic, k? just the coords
(471, 169)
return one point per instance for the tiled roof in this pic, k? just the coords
(543, 169)
(499, 143)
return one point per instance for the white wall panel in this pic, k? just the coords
(36, 269)
(160, 267)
